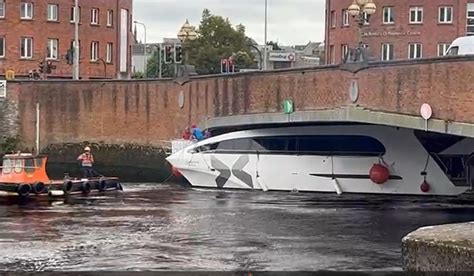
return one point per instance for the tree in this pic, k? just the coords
(152, 70)
(217, 39)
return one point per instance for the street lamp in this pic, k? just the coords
(362, 9)
(144, 48)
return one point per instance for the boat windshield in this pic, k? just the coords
(7, 166)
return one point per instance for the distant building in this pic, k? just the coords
(295, 56)
(39, 30)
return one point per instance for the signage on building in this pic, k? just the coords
(3, 88)
(390, 33)
(289, 57)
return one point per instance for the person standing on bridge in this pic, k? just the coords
(87, 161)
(197, 133)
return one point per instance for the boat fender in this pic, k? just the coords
(119, 187)
(425, 187)
(53, 193)
(379, 174)
(67, 187)
(102, 185)
(39, 187)
(86, 187)
(24, 189)
(337, 187)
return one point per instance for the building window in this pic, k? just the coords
(414, 50)
(53, 12)
(332, 54)
(333, 19)
(26, 11)
(344, 51)
(110, 18)
(26, 47)
(416, 15)
(388, 17)
(445, 15)
(108, 57)
(94, 51)
(345, 18)
(2, 46)
(2, 9)
(442, 48)
(52, 48)
(387, 51)
(470, 19)
(73, 14)
(95, 16)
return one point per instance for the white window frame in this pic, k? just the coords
(470, 19)
(387, 52)
(110, 18)
(26, 47)
(444, 47)
(27, 8)
(2, 8)
(344, 51)
(415, 54)
(2, 46)
(390, 18)
(445, 20)
(94, 16)
(52, 49)
(53, 12)
(333, 19)
(416, 11)
(345, 18)
(73, 20)
(109, 52)
(94, 51)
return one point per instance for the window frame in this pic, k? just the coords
(416, 10)
(3, 9)
(94, 51)
(24, 47)
(73, 14)
(50, 12)
(51, 51)
(446, 8)
(109, 52)
(95, 19)
(390, 53)
(110, 18)
(344, 51)
(390, 15)
(3, 46)
(445, 47)
(415, 44)
(24, 7)
(345, 18)
(333, 19)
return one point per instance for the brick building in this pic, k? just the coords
(32, 31)
(399, 29)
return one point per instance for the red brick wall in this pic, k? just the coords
(40, 30)
(146, 112)
(431, 32)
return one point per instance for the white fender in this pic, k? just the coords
(336, 186)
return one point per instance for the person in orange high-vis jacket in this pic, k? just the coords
(87, 161)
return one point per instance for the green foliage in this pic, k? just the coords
(9, 145)
(152, 68)
(138, 75)
(217, 39)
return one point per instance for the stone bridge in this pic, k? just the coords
(147, 113)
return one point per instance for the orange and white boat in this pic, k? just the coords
(24, 174)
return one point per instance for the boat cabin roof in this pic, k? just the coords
(22, 156)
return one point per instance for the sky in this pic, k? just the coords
(290, 22)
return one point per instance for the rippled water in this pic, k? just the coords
(168, 227)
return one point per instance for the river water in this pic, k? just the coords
(169, 227)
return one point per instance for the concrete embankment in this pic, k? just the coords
(440, 248)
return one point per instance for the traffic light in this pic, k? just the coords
(49, 67)
(224, 66)
(231, 66)
(178, 54)
(41, 67)
(168, 54)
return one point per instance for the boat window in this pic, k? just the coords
(453, 51)
(7, 166)
(436, 142)
(236, 145)
(341, 145)
(18, 166)
(38, 162)
(29, 165)
(282, 144)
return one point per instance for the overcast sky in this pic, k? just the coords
(289, 21)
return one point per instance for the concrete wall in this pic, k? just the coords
(440, 248)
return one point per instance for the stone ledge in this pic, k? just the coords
(447, 247)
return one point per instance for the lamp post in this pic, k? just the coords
(187, 33)
(75, 68)
(265, 51)
(144, 48)
(361, 10)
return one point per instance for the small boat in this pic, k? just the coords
(24, 175)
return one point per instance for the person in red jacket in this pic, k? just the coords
(87, 161)
(186, 134)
